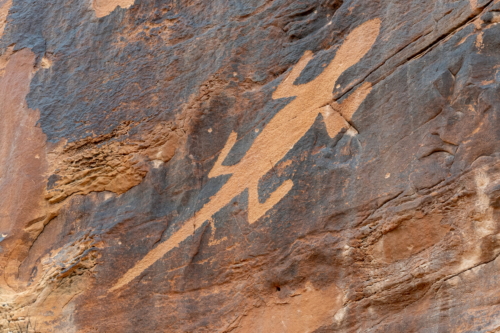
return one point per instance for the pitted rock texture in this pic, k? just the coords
(249, 166)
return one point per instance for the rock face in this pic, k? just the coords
(249, 166)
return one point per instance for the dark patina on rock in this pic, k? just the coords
(249, 166)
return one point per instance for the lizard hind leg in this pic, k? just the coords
(256, 209)
(218, 169)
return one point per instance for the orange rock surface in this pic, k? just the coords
(249, 166)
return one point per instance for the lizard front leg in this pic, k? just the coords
(287, 88)
(333, 120)
(351, 104)
(337, 116)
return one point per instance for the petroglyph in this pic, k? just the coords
(279, 136)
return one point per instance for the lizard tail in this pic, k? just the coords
(154, 255)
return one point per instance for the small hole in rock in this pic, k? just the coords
(278, 289)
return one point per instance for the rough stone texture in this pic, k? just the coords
(249, 166)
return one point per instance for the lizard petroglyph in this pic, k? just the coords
(289, 125)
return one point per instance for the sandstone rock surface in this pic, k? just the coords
(249, 166)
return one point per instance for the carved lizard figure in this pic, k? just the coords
(284, 130)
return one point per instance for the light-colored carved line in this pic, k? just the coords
(279, 136)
